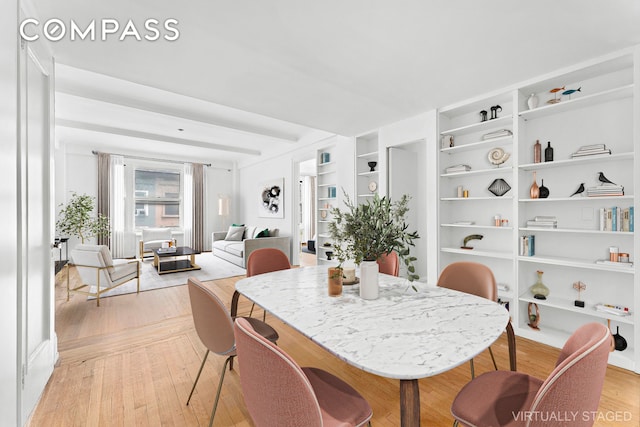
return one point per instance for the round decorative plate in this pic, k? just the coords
(373, 186)
(355, 281)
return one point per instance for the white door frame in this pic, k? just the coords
(37, 342)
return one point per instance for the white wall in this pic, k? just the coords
(8, 214)
(283, 165)
(420, 133)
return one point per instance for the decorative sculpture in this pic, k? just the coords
(579, 286)
(469, 238)
(497, 156)
(494, 111)
(534, 316)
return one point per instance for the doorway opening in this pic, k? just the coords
(307, 212)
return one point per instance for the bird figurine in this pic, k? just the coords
(603, 179)
(579, 190)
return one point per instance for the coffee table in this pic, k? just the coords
(168, 262)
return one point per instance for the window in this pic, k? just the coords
(157, 198)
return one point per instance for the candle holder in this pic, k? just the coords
(579, 286)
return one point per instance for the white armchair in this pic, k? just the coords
(99, 272)
(153, 238)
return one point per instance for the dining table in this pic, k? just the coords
(413, 330)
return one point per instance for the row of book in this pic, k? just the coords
(605, 190)
(528, 245)
(543, 221)
(616, 219)
(591, 150)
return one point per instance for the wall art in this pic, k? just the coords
(271, 202)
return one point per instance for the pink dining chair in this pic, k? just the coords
(215, 329)
(389, 263)
(477, 279)
(266, 260)
(279, 393)
(506, 398)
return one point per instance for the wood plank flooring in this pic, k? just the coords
(132, 362)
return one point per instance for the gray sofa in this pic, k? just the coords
(238, 252)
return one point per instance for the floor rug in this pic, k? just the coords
(211, 268)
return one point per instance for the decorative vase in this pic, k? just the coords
(369, 280)
(539, 290)
(537, 152)
(335, 281)
(620, 341)
(548, 152)
(532, 101)
(534, 191)
(543, 191)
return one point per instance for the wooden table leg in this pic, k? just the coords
(409, 403)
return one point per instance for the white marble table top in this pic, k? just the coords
(403, 335)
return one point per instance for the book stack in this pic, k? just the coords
(617, 219)
(527, 245)
(457, 168)
(613, 309)
(605, 190)
(169, 250)
(543, 221)
(497, 134)
(622, 265)
(591, 150)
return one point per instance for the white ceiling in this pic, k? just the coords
(248, 77)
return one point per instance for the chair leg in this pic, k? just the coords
(511, 339)
(197, 376)
(493, 359)
(68, 273)
(215, 403)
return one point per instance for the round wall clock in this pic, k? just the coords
(373, 186)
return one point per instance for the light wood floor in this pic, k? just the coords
(132, 362)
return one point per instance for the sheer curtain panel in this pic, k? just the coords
(117, 208)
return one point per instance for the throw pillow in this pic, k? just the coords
(250, 232)
(235, 234)
(237, 225)
(263, 233)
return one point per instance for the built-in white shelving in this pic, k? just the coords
(367, 178)
(604, 111)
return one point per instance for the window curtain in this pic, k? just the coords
(187, 204)
(117, 208)
(104, 180)
(198, 212)
(309, 205)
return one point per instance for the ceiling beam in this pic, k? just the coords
(153, 137)
(228, 125)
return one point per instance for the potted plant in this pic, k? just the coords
(369, 230)
(75, 219)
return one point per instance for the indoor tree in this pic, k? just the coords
(76, 219)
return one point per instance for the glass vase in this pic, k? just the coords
(538, 289)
